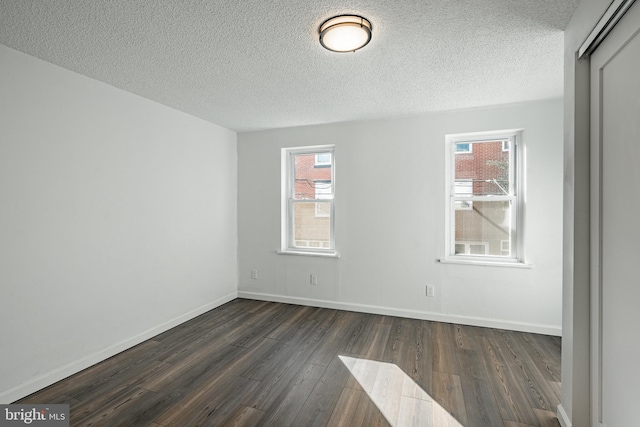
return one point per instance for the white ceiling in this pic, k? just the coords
(252, 64)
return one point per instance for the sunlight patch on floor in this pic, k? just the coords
(402, 402)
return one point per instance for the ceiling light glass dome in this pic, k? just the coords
(345, 33)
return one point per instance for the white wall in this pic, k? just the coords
(390, 215)
(575, 406)
(118, 221)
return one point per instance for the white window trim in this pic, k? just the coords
(286, 225)
(518, 158)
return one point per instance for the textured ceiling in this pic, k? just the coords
(254, 64)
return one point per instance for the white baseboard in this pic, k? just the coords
(562, 417)
(412, 314)
(44, 380)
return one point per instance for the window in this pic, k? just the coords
(463, 148)
(308, 200)
(323, 159)
(471, 248)
(485, 197)
(505, 247)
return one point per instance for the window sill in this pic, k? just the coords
(317, 254)
(484, 263)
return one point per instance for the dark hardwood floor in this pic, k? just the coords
(253, 363)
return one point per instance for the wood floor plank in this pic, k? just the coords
(385, 320)
(508, 423)
(318, 408)
(522, 387)
(374, 417)
(198, 367)
(213, 395)
(288, 403)
(479, 403)
(269, 364)
(335, 339)
(397, 342)
(115, 385)
(547, 418)
(556, 386)
(409, 347)
(356, 341)
(223, 332)
(510, 399)
(263, 322)
(387, 390)
(279, 372)
(123, 410)
(544, 395)
(351, 408)
(443, 347)
(294, 348)
(419, 359)
(552, 345)
(541, 356)
(244, 416)
(465, 337)
(209, 404)
(415, 413)
(54, 399)
(447, 393)
(292, 323)
(376, 340)
(479, 400)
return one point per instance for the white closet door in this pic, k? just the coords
(615, 224)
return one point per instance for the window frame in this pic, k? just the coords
(287, 245)
(516, 196)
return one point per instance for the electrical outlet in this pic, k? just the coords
(254, 274)
(313, 279)
(431, 291)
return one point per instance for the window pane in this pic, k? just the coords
(486, 168)
(312, 224)
(483, 229)
(463, 147)
(478, 249)
(463, 187)
(310, 180)
(323, 209)
(323, 159)
(323, 189)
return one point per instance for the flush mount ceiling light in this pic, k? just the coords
(345, 33)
